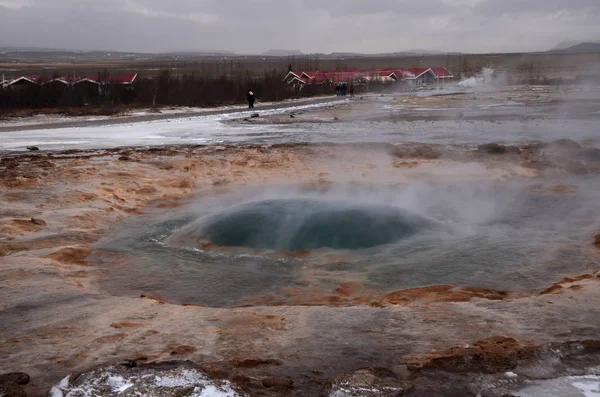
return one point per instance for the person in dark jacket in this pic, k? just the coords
(250, 100)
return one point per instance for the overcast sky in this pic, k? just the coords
(253, 26)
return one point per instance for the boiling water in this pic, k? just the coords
(230, 249)
(300, 224)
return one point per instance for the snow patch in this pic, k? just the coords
(571, 386)
(56, 391)
(116, 381)
(118, 384)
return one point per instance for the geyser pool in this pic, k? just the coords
(233, 248)
(295, 224)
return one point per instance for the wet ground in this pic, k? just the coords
(443, 239)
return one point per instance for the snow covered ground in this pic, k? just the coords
(185, 130)
(46, 119)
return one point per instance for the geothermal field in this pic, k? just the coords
(438, 242)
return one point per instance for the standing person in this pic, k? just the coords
(250, 100)
(351, 90)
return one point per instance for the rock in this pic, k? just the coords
(292, 116)
(570, 156)
(460, 115)
(45, 164)
(590, 154)
(157, 379)
(492, 355)
(254, 115)
(124, 158)
(10, 384)
(19, 378)
(11, 390)
(368, 382)
(33, 148)
(336, 119)
(561, 151)
(512, 150)
(576, 168)
(162, 165)
(278, 383)
(567, 144)
(39, 222)
(348, 288)
(256, 363)
(178, 350)
(70, 255)
(129, 363)
(492, 148)
(597, 240)
(415, 151)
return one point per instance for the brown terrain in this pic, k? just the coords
(56, 320)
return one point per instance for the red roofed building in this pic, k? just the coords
(412, 76)
(292, 75)
(418, 76)
(22, 82)
(32, 91)
(125, 79)
(442, 73)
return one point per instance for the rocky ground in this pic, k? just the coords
(56, 321)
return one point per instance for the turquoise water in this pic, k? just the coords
(489, 235)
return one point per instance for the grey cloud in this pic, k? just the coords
(497, 8)
(360, 7)
(252, 26)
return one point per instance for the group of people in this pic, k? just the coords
(341, 89)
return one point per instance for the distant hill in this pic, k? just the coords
(282, 53)
(192, 53)
(32, 53)
(412, 53)
(425, 52)
(565, 44)
(345, 54)
(581, 47)
(584, 47)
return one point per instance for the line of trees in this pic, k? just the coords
(189, 89)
